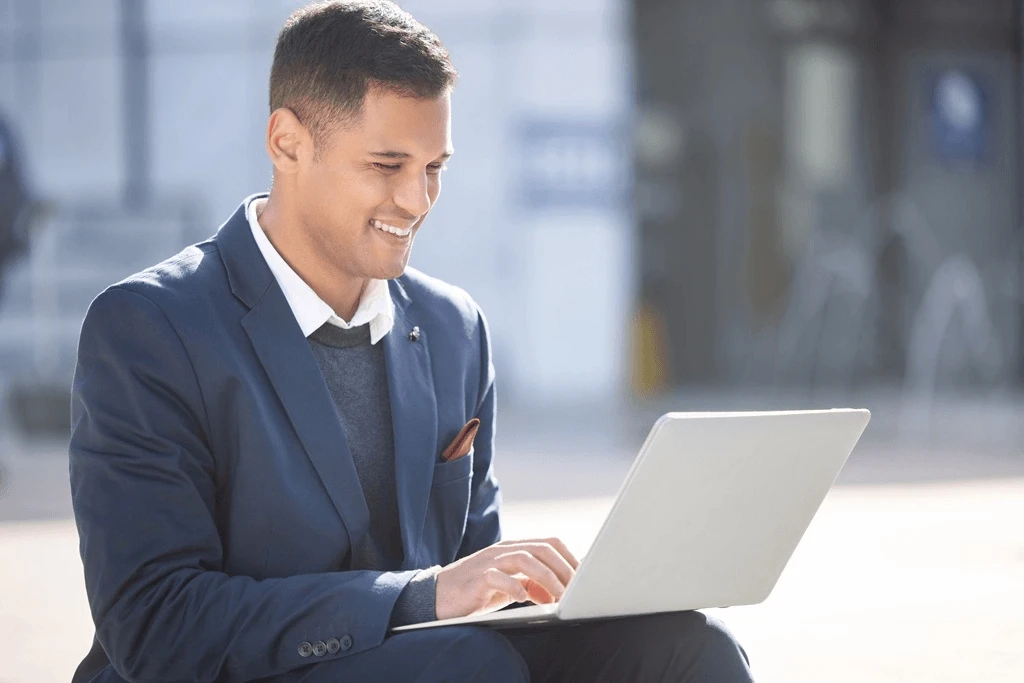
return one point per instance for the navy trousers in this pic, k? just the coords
(671, 648)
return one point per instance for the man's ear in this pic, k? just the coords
(287, 140)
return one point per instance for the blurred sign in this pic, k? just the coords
(573, 164)
(960, 117)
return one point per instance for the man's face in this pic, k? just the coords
(378, 175)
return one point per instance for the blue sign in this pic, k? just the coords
(573, 164)
(959, 117)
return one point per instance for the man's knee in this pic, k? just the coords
(702, 646)
(721, 656)
(720, 638)
(482, 654)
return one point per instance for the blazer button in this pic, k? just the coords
(305, 650)
(333, 645)
(346, 643)
(319, 648)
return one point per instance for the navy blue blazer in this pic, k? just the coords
(215, 496)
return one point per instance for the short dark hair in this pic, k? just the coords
(329, 54)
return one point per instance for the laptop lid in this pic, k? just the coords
(711, 511)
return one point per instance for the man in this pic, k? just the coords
(17, 208)
(258, 457)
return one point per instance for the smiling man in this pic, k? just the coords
(282, 437)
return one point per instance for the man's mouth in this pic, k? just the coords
(385, 227)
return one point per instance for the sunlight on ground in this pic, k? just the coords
(904, 583)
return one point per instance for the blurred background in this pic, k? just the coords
(660, 205)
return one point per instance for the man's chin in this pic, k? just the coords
(393, 270)
(388, 263)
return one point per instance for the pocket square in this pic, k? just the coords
(462, 443)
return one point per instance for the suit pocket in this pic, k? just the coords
(454, 470)
(448, 508)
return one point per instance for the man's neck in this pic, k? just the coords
(339, 290)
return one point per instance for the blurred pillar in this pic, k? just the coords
(135, 100)
(882, 59)
(678, 209)
(1018, 50)
(567, 104)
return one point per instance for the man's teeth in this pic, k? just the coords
(390, 228)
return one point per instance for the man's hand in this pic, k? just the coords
(506, 572)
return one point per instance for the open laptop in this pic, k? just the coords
(708, 516)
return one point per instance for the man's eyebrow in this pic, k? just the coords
(404, 155)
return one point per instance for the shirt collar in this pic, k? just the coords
(311, 312)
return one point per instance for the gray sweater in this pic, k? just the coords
(355, 374)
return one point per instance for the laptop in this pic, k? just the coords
(708, 516)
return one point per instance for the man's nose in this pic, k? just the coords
(413, 195)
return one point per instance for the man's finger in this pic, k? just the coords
(551, 557)
(500, 581)
(555, 543)
(563, 550)
(537, 592)
(522, 562)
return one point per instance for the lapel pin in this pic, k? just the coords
(415, 334)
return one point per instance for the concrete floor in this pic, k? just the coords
(890, 583)
(917, 580)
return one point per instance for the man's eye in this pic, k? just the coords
(437, 168)
(387, 167)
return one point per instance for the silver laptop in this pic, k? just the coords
(708, 516)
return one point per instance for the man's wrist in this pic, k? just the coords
(417, 602)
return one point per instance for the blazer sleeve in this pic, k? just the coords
(143, 490)
(483, 525)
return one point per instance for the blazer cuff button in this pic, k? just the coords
(333, 645)
(319, 648)
(305, 650)
(346, 643)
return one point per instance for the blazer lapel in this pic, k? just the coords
(300, 385)
(414, 415)
(293, 372)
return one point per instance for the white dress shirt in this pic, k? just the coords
(311, 312)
